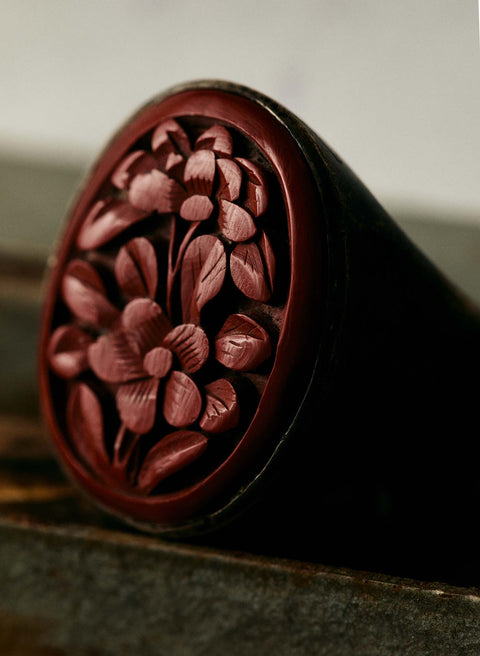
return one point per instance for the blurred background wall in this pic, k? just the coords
(393, 86)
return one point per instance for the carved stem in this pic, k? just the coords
(118, 444)
(184, 244)
(172, 272)
(119, 458)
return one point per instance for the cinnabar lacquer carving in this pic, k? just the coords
(165, 330)
(229, 309)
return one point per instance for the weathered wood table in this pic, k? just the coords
(73, 582)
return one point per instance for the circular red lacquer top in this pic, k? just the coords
(181, 308)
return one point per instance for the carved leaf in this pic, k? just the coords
(203, 273)
(107, 219)
(67, 351)
(136, 268)
(137, 404)
(156, 191)
(222, 411)
(242, 344)
(169, 136)
(113, 359)
(171, 454)
(182, 401)
(190, 344)
(235, 222)
(145, 324)
(256, 187)
(229, 179)
(218, 139)
(200, 172)
(85, 427)
(134, 163)
(248, 271)
(84, 293)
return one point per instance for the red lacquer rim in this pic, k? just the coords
(298, 341)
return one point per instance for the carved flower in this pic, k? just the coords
(139, 354)
(147, 363)
(176, 178)
(196, 184)
(140, 349)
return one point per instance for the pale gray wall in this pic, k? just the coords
(393, 85)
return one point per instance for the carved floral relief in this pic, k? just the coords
(166, 337)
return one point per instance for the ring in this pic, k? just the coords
(237, 339)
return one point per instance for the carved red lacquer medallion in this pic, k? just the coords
(166, 308)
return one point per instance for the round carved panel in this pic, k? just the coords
(165, 309)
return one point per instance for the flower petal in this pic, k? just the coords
(171, 148)
(235, 222)
(113, 359)
(242, 344)
(137, 404)
(67, 351)
(174, 452)
(136, 268)
(84, 293)
(229, 179)
(248, 271)
(200, 172)
(196, 208)
(156, 191)
(222, 411)
(107, 219)
(218, 139)
(170, 136)
(256, 188)
(182, 401)
(158, 362)
(190, 345)
(145, 324)
(134, 163)
(85, 427)
(203, 272)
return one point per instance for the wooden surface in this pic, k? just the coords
(74, 582)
